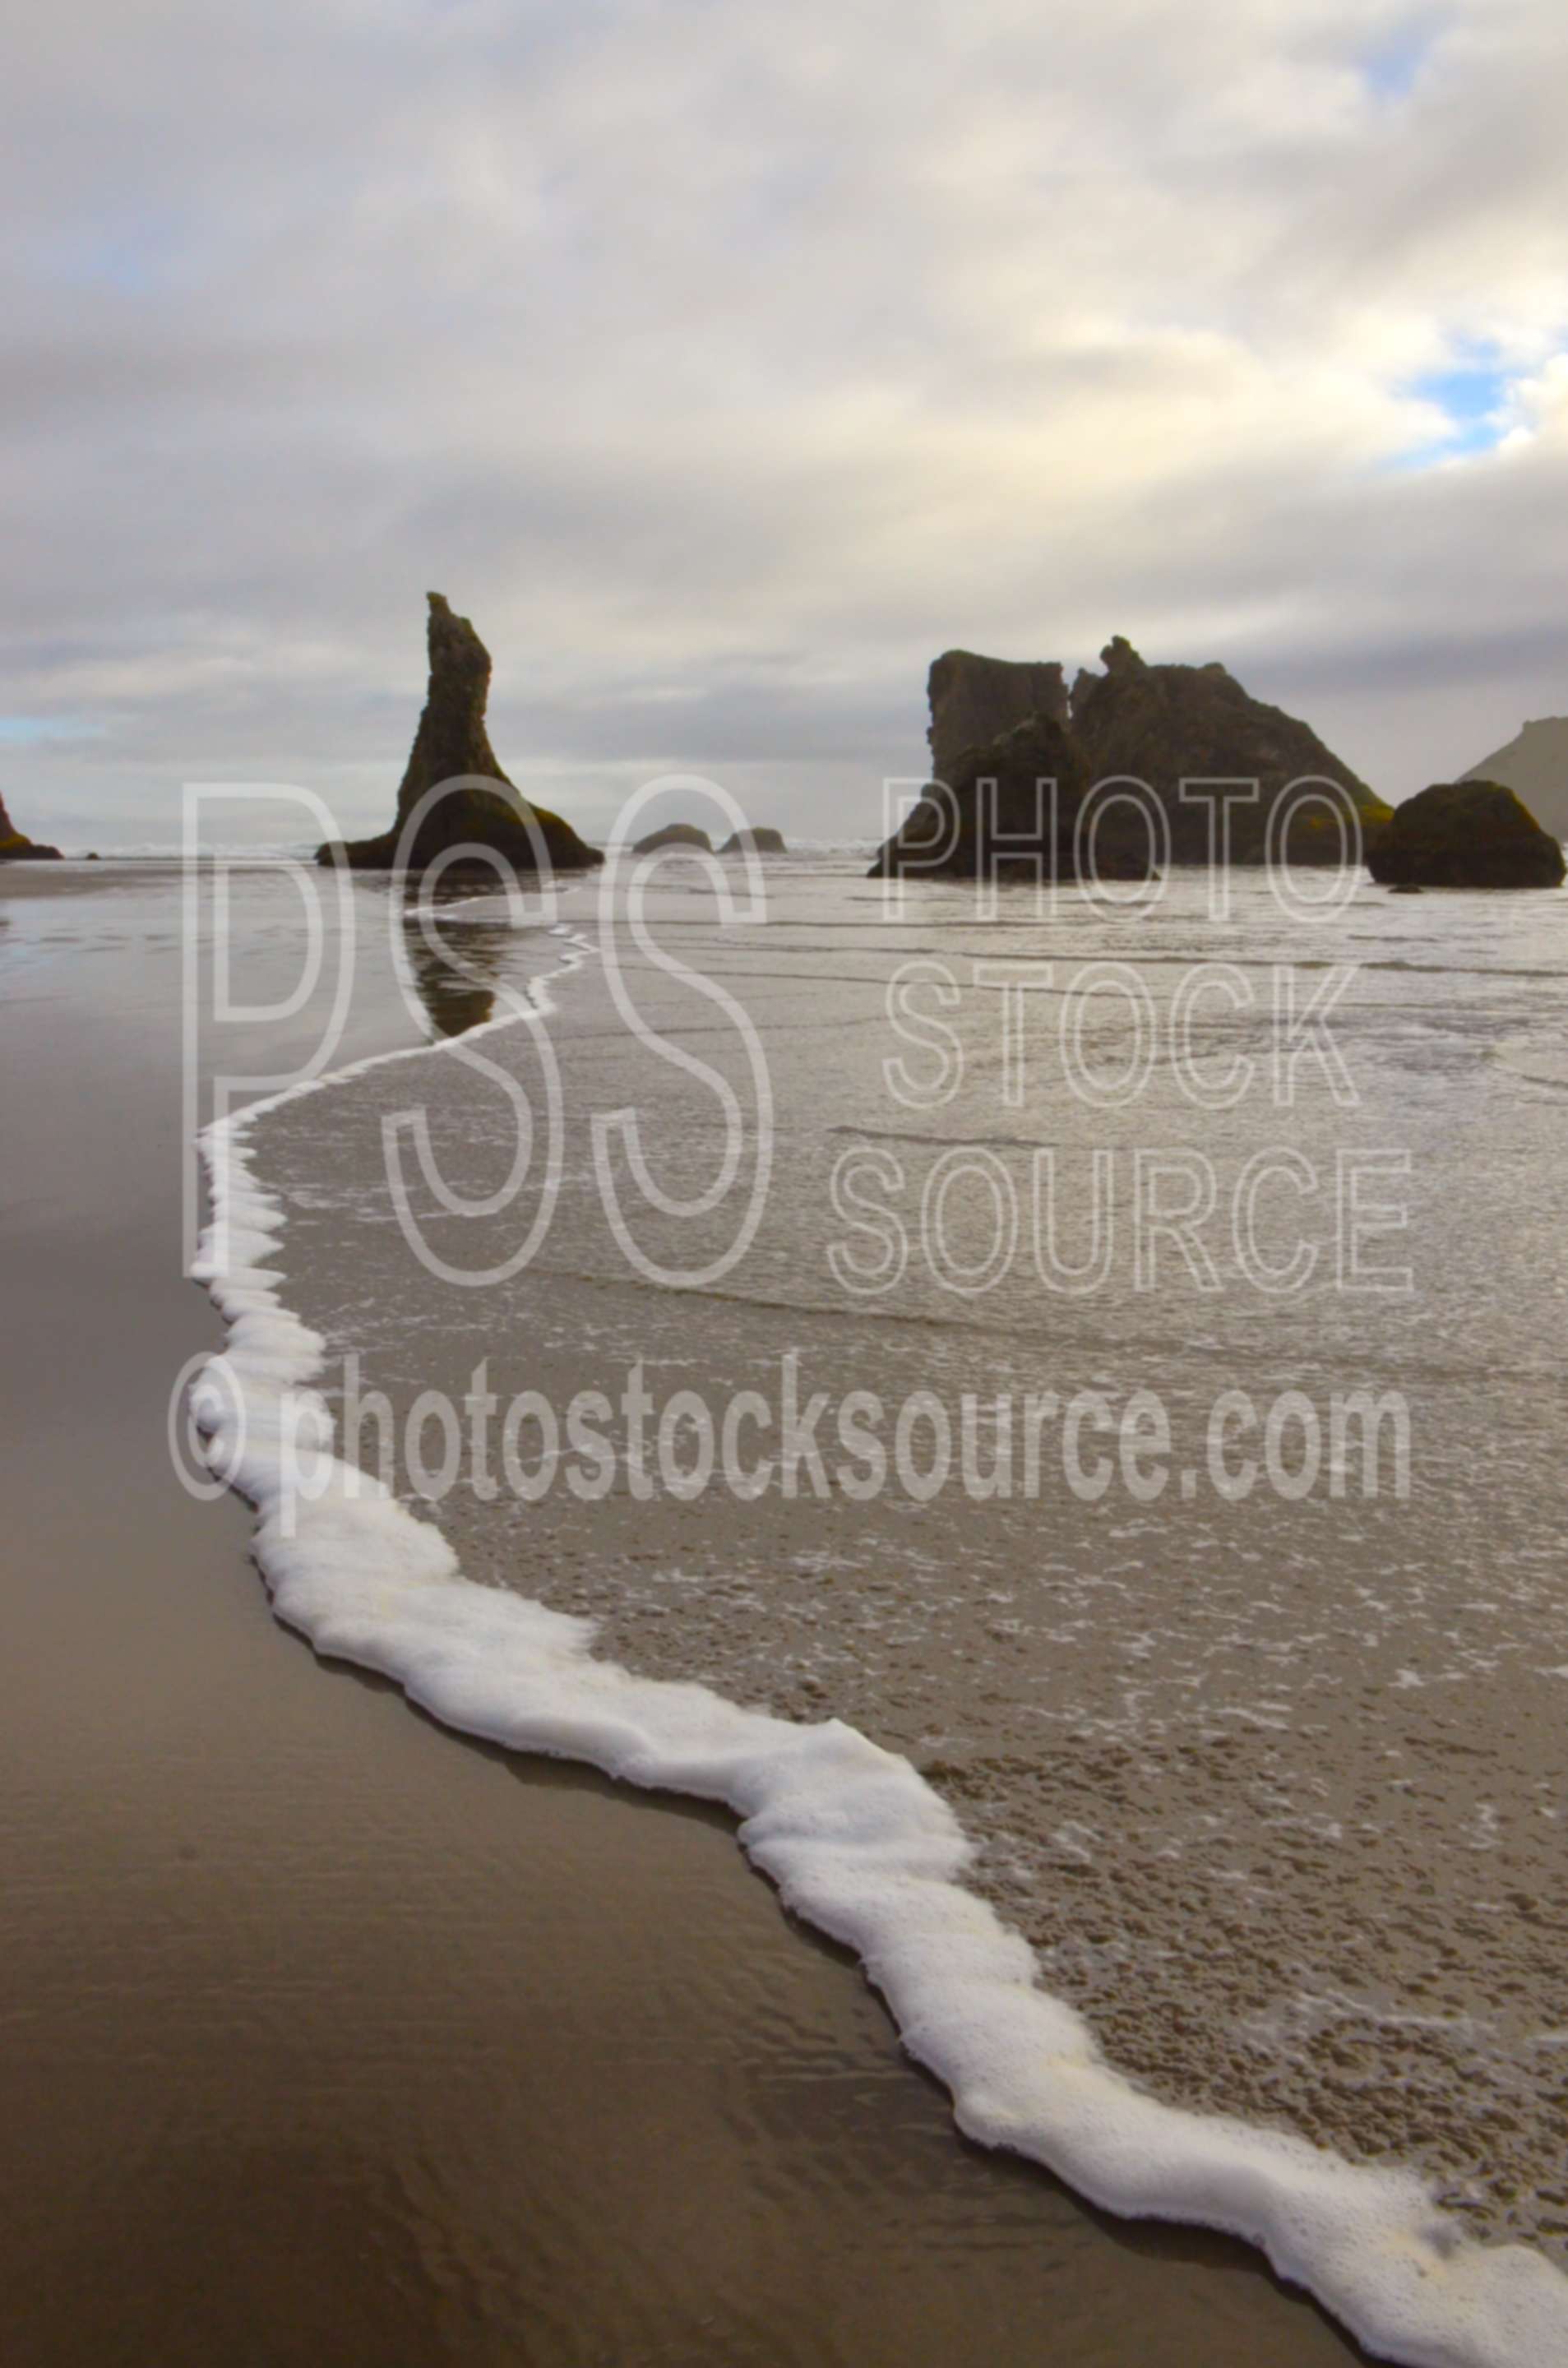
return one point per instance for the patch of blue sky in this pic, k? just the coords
(132, 256)
(1392, 67)
(32, 730)
(1471, 397)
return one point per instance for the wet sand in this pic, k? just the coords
(334, 2037)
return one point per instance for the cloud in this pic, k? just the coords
(726, 363)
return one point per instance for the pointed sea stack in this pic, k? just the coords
(452, 744)
(15, 849)
(1465, 835)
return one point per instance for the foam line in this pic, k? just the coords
(855, 1840)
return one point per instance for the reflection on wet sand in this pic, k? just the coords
(454, 970)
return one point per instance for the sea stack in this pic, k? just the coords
(1465, 835)
(975, 700)
(15, 849)
(1158, 724)
(452, 744)
(1167, 724)
(961, 829)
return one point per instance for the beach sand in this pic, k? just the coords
(334, 2037)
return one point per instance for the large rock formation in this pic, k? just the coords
(675, 834)
(961, 829)
(1465, 835)
(975, 700)
(1155, 724)
(1534, 765)
(1165, 724)
(451, 742)
(15, 849)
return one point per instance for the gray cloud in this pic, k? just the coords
(725, 364)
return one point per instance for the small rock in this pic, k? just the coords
(753, 842)
(1465, 835)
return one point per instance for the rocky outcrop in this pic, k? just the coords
(753, 842)
(675, 834)
(975, 700)
(15, 849)
(1465, 835)
(963, 829)
(1160, 725)
(1165, 724)
(1534, 765)
(452, 743)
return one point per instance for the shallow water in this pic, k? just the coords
(1274, 1787)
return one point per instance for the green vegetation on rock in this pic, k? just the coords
(15, 847)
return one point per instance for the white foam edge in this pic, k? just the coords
(855, 1840)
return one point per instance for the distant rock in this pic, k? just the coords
(675, 834)
(957, 832)
(975, 700)
(753, 842)
(1158, 724)
(1534, 765)
(15, 849)
(452, 742)
(1465, 835)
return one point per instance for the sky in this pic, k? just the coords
(725, 362)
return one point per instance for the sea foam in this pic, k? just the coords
(855, 1840)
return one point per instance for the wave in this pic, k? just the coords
(855, 1840)
(175, 851)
